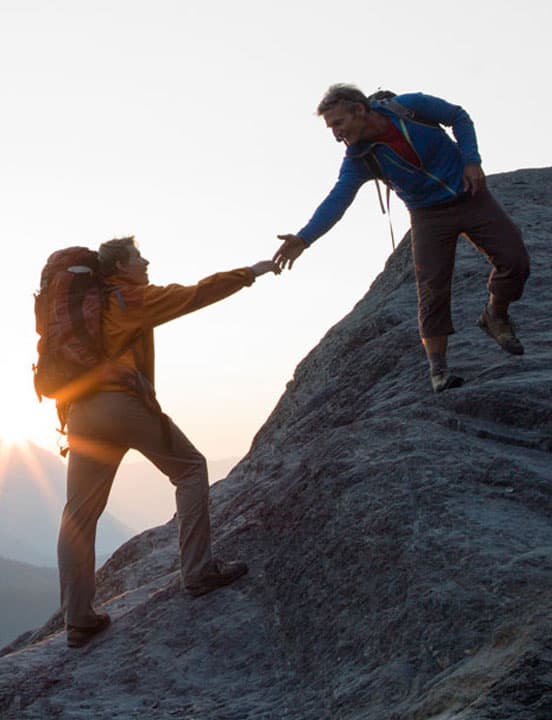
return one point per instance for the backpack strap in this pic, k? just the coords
(370, 159)
(376, 170)
(407, 113)
(388, 202)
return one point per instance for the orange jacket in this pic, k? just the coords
(132, 311)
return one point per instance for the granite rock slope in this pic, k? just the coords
(400, 542)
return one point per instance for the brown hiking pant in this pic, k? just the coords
(101, 429)
(435, 231)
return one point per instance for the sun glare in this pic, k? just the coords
(14, 436)
(18, 447)
(14, 430)
(22, 418)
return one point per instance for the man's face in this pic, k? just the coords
(135, 270)
(348, 124)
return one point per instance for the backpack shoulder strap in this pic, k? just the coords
(377, 172)
(406, 113)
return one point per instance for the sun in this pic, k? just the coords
(16, 420)
(23, 419)
(13, 428)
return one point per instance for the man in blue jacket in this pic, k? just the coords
(401, 141)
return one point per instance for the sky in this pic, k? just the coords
(191, 124)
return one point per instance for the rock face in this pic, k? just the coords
(400, 542)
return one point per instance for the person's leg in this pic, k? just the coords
(436, 351)
(129, 423)
(90, 472)
(489, 228)
(137, 426)
(186, 468)
(171, 451)
(165, 445)
(434, 240)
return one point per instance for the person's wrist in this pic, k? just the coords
(257, 270)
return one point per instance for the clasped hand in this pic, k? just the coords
(289, 251)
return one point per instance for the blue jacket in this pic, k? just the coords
(442, 161)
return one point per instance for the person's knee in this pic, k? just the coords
(515, 274)
(517, 260)
(192, 471)
(202, 468)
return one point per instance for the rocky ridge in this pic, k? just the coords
(400, 543)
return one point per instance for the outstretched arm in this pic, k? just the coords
(352, 175)
(153, 305)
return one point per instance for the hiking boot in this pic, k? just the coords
(217, 575)
(501, 330)
(78, 636)
(444, 380)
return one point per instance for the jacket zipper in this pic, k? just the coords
(436, 179)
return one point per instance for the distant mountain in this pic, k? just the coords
(32, 496)
(28, 596)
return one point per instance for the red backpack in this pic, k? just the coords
(71, 360)
(68, 319)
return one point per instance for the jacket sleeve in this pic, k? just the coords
(163, 303)
(333, 207)
(453, 116)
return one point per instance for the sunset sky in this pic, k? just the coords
(191, 125)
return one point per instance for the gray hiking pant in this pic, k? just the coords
(101, 429)
(435, 231)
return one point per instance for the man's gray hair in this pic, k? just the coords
(114, 251)
(342, 93)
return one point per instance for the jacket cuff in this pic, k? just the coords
(248, 276)
(472, 159)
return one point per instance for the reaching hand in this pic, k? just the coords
(289, 251)
(265, 266)
(474, 179)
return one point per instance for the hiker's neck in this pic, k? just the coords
(374, 126)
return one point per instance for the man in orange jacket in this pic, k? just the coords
(123, 413)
